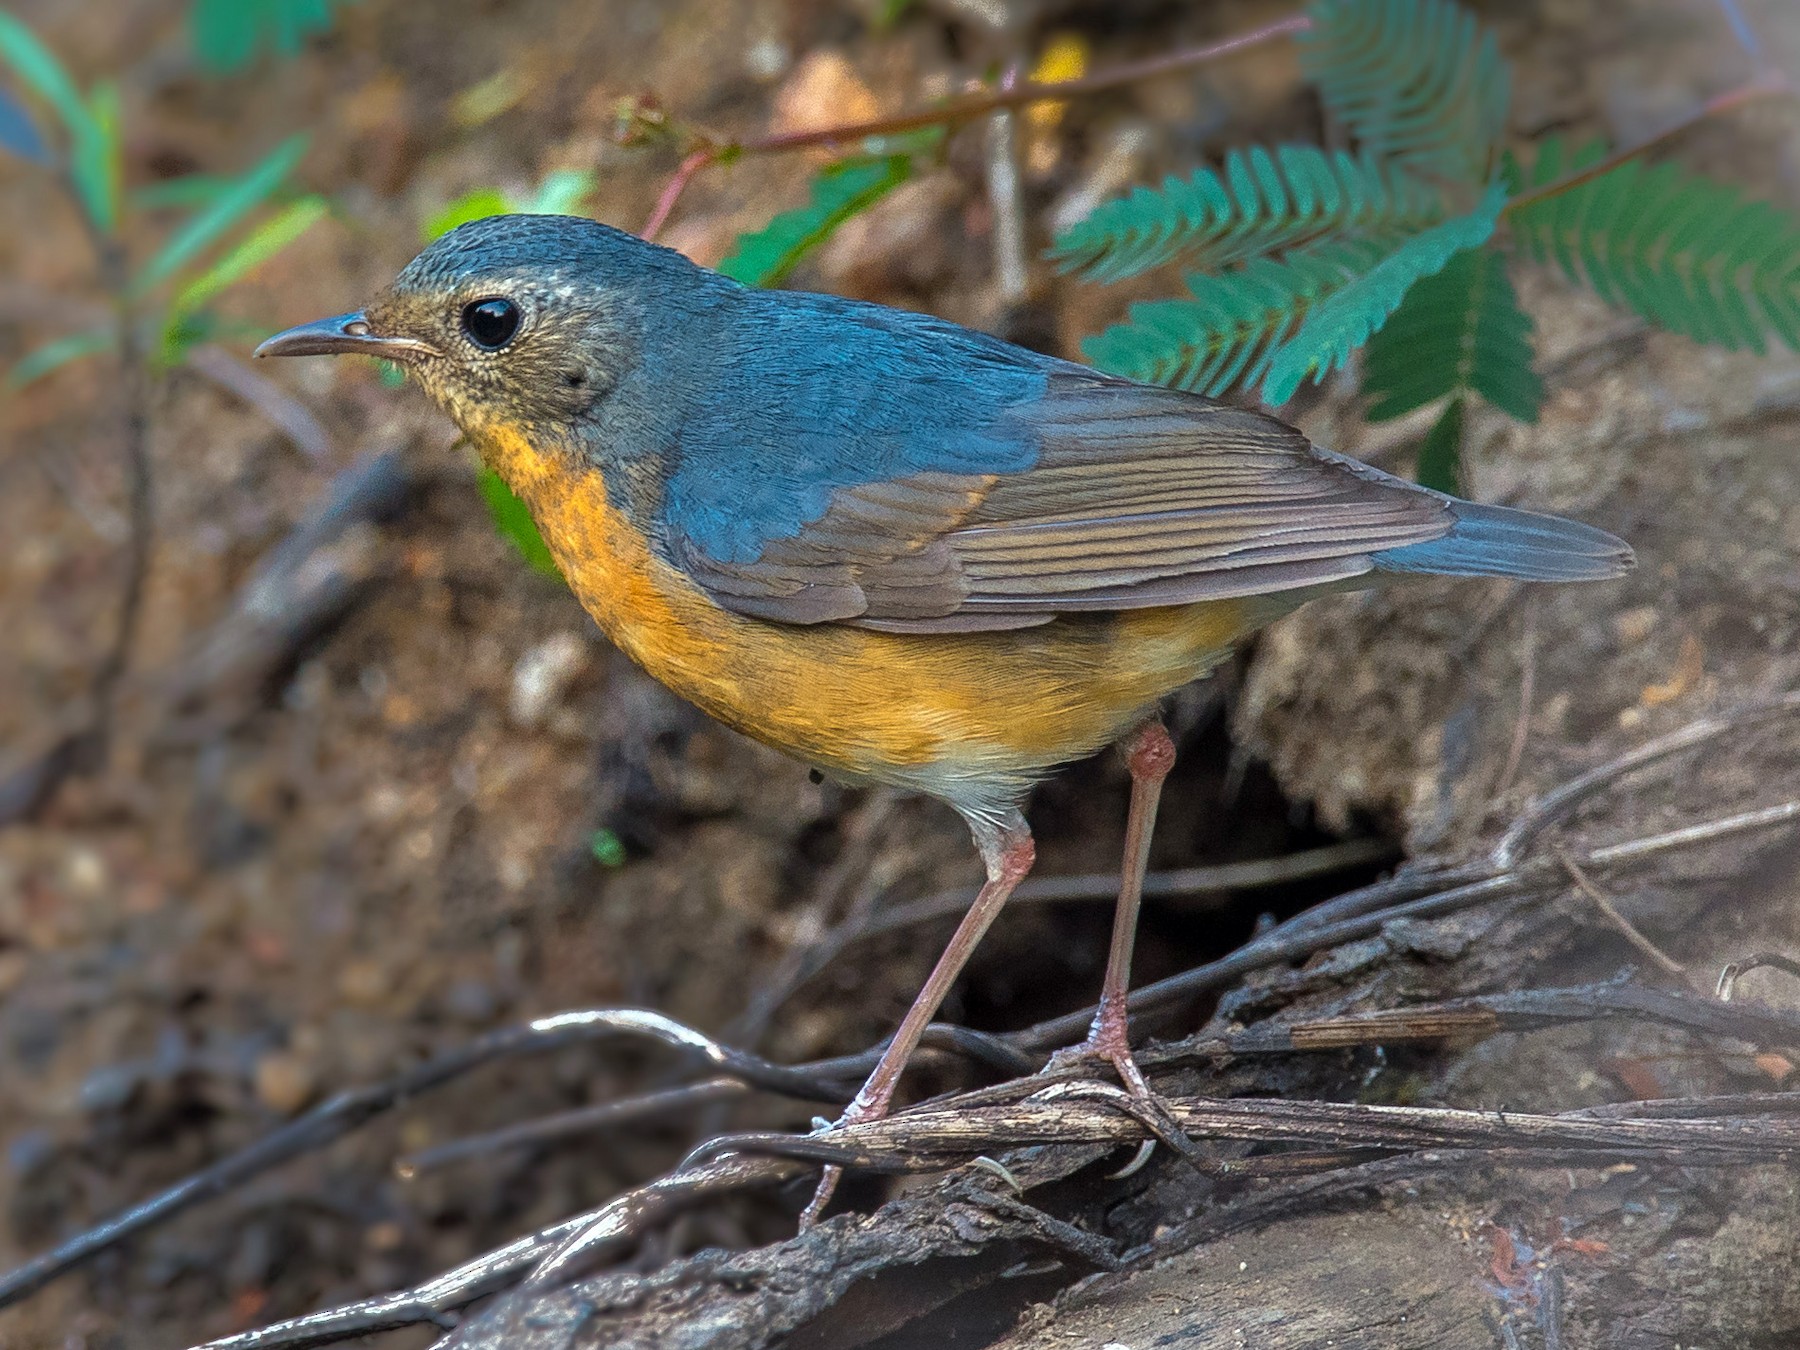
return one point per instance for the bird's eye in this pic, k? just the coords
(490, 324)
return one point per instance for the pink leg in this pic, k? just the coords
(1150, 755)
(1008, 852)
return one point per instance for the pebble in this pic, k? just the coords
(543, 675)
(285, 1082)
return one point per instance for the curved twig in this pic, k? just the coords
(1556, 804)
(333, 1119)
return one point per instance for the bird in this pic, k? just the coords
(901, 550)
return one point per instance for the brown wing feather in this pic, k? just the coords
(1140, 497)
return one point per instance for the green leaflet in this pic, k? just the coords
(1416, 82)
(95, 160)
(233, 265)
(37, 66)
(1440, 455)
(1342, 321)
(211, 222)
(839, 191)
(40, 361)
(91, 123)
(1224, 334)
(1262, 202)
(513, 519)
(1461, 330)
(1689, 254)
(230, 34)
(560, 194)
(476, 205)
(189, 191)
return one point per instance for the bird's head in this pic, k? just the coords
(525, 321)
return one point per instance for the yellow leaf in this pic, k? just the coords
(1065, 59)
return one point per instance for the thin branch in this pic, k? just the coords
(1555, 805)
(1475, 1018)
(28, 789)
(1764, 85)
(672, 190)
(1604, 903)
(567, 1124)
(1011, 276)
(1729, 977)
(348, 1110)
(1515, 753)
(280, 409)
(1359, 914)
(957, 111)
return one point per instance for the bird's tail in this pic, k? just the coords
(1498, 541)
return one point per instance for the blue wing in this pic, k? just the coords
(894, 471)
(834, 395)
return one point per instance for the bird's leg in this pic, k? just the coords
(1008, 852)
(1150, 755)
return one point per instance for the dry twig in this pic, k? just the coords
(955, 112)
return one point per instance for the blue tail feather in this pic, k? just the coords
(1498, 541)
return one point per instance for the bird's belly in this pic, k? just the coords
(971, 717)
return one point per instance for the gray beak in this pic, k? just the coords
(344, 334)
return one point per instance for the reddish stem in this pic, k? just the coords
(672, 190)
(962, 110)
(1763, 86)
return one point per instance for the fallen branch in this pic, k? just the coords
(935, 1137)
(333, 1119)
(299, 589)
(280, 409)
(1413, 894)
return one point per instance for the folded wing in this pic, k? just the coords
(1133, 497)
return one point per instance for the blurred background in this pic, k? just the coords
(367, 783)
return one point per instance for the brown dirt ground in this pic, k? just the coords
(378, 853)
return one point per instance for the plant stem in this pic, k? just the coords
(1762, 86)
(82, 751)
(963, 109)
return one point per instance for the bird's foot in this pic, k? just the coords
(860, 1111)
(1103, 1049)
(1107, 1047)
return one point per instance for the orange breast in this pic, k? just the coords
(971, 717)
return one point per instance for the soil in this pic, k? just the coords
(315, 856)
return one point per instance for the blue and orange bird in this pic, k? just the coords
(901, 550)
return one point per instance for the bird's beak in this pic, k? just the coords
(347, 333)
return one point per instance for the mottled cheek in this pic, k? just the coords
(447, 396)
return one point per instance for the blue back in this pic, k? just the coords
(822, 393)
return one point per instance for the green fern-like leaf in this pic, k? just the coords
(1689, 254)
(1342, 321)
(1263, 202)
(1223, 335)
(1440, 456)
(230, 34)
(1416, 82)
(839, 191)
(1458, 331)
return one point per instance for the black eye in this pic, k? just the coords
(490, 324)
